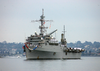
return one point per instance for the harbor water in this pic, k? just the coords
(22, 64)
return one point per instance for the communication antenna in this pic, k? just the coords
(42, 11)
(64, 31)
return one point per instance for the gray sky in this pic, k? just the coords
(80, 17)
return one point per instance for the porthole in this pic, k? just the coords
(54, 53)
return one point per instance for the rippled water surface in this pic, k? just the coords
(21, 64)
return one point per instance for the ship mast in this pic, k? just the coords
(63, 39)
(64, 31)
(42, 27)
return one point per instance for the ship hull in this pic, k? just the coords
(47, 55)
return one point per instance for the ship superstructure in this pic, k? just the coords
(43, 46)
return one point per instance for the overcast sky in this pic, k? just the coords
(80, 17)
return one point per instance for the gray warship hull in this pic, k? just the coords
(48, 55)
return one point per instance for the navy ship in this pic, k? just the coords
(44, 46)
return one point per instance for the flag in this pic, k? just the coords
(44, 22)
(23, 47)
(50, 26)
